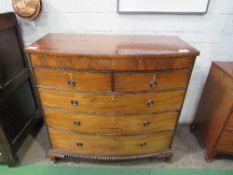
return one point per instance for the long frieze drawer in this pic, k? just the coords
(112, 103)
(111, 64)
(110, 145)
(73, 80)
(123, 125)
(151, 81)
(225, 142)
(230, 122)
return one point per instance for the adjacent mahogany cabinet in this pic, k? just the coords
(214, 118)
(19, 110)
(111, 97)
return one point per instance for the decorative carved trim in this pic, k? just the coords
(54, 109)
(61, 154)
(110, 92)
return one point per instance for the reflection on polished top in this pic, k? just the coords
(112, 45)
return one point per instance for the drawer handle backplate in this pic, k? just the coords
(150, 103)
(77, 123)
(74, 102)
(146, 123)
(142, 144)
(153, 84)
(79, 144)
(72, 83)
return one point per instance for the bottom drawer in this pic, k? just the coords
(103, 145)
(225, 142)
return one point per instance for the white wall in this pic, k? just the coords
(212, 34)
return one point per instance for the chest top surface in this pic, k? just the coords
(226, 67)
(112, 45)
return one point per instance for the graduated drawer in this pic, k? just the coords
(123, 63)
(112, 103)
(225, 142)
(104, 145)
(73, 80)
(230, 122)
(127, 124)
(151, 81)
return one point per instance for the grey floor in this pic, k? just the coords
(188, 153)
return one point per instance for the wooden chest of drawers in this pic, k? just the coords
(214, 118)
(111, 97)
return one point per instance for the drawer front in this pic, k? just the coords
(230, 122)
(225, 142)
(128, 124)
(108, 103)
(111, 64)
(73, 80)
(151, 81)
(110, 145)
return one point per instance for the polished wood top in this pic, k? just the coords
(112, 45)
(226, 67)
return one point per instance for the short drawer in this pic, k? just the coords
(112, 103)
(127, 124)
(124, 63)
(230, 122)
(110, 145)
(151, 81)
(73, 80)
(225, 142)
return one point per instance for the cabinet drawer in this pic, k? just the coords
(110, 145)
(225, 142)
(123, 63)
(73, 80)
(110, 103)
(128, 124)
(151, 81)
(230, 122)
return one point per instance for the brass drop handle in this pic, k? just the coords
(142, 144)
(77, 123)
(150, 102)
(79, 144)
(72, 83)
(146, 123)
(153, 84)
(74, 102)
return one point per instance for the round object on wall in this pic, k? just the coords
(28, 9)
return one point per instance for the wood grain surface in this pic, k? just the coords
(225, 142)
(112, 103)
(230, 122)
(85, 81)
(109, 45)
(118, 125)
(97, 62)
(110, 145)
(215, 107)
(111, 96)
(144, 81)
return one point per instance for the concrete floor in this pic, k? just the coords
(188, 153)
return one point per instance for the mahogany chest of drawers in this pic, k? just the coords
(214, 118)
(111, 97)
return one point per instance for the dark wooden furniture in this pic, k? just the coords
(18, 107)
(214, 118)
(111, 97)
